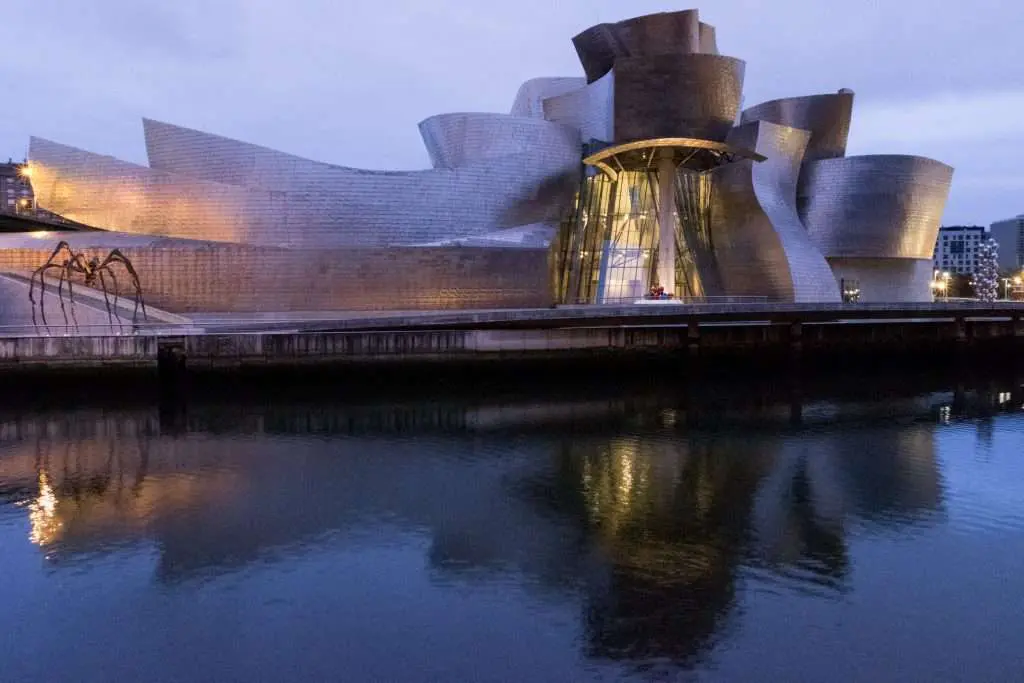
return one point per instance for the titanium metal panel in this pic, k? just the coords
(887, 280)
(682, 96)
(502, 189)
(590, 110)
(708, 39)
(529, 100)
(761, 246)
(268, 198)
(827, 117)
(600, 47)
(882, 206)
(455, 140)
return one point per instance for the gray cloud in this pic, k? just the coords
(347, 81)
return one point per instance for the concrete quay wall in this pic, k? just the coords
(227, 351)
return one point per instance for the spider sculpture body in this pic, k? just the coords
(67, 265)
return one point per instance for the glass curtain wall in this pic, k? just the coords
(607, 252)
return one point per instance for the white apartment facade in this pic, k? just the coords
(956, 249)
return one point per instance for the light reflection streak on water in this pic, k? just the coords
(43, 520)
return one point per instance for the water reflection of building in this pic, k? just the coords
(657, 526)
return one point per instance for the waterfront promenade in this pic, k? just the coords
(690, 330)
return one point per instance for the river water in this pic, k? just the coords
(853, 533)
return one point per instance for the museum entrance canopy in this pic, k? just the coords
(688, 153)
(642, 226)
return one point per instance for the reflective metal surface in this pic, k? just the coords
(497, 172)
(708, 39)
(760, 243)
(590, 109)
(530, 99)
(601, 46)
(673, 95)
(826, 117)
(755, 532)
(880, 206)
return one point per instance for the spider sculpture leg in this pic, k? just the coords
(116, 256)
(117, 292)
(71, 299)
(106, 299)
(60, 291)
(41, 273)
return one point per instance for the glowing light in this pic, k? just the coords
(41, 234)
(25, 171)
(43, 514)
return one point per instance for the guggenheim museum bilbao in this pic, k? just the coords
(643, 175)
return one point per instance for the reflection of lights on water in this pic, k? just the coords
(43, 513)
(945, 414)
(1005, 397)
(627, 461)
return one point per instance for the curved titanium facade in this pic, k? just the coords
(601, 46)
(708, 39)
(288, 201)
(683, 96)
(454, 140)
(876, 219)
(827, 117)
(529, 100)
(661, 76)
(874, 206)
(500, 189)
(590, 110)
(890, 280)
(761, 247)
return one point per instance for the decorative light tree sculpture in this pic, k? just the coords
(987, 279)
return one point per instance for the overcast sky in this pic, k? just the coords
(346, 81)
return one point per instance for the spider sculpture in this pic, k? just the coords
(68, 265)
